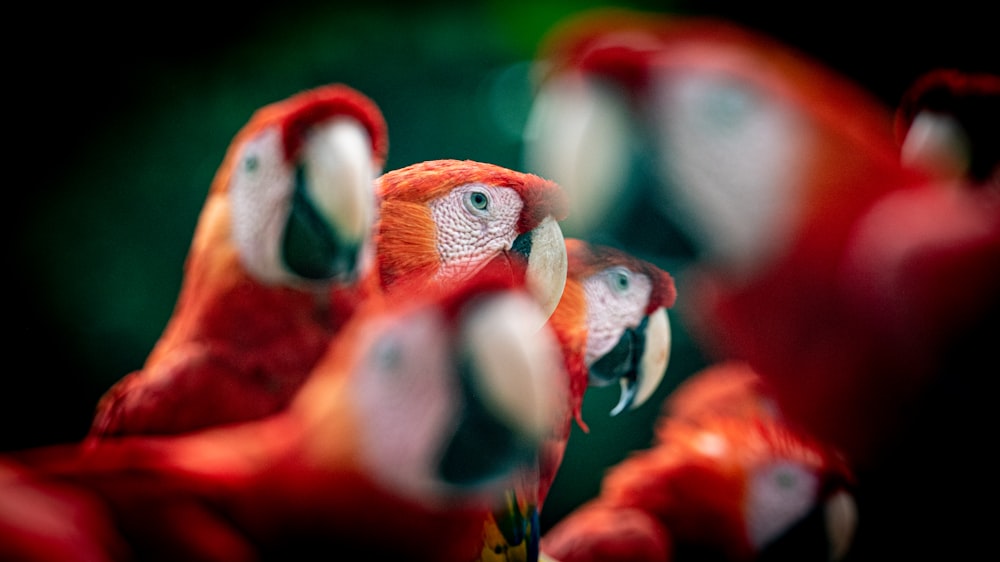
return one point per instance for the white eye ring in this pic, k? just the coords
(619, 279)
(477, 202)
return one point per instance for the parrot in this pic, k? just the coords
(442, 220)
(853, 270)
(280, 245)
(407, 431)
(727, 478)
(611, 323)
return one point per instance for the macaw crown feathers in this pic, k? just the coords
(425, 181)
(301, 111)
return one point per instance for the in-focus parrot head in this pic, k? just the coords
(444, 220)
(298, 184)
(735, 139)
(624, 301)
(457, 386)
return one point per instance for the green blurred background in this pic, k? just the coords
(121, 118)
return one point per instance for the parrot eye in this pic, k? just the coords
(728, 106)
(251, 163)
(387, 354)
(619, 279)
(785, 479)
(477, 201)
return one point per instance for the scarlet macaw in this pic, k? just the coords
(397, 445)
(727, 478)
(612, 326)
(443, 220)
(286, 224)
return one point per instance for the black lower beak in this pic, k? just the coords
(483, 446)
(311, 247)
(622, 364)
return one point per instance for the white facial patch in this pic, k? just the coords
(259, 193)
(408, 393)
(475, 222)
(732, 160)
(616, 300)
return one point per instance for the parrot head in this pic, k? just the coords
(768, 489)
(729, 137)
(784, 492)
(617, 305)
(298, 184)
(444, 220)
(456, 383)
(726, 478)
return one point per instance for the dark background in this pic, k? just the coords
(121, 118)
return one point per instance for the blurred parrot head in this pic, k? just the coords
(425, 408)
(793, 495)
(739, 139)
(456, 384)
(727, 478)
(443, 220)
(295, 192)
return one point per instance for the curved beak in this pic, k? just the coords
(333, 203)
(544, 249)
(638, 362)
(512, 389)
(577, 135)
(938, 144)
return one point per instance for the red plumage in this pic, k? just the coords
(238, 345)
(707, 484)
(283, 486)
